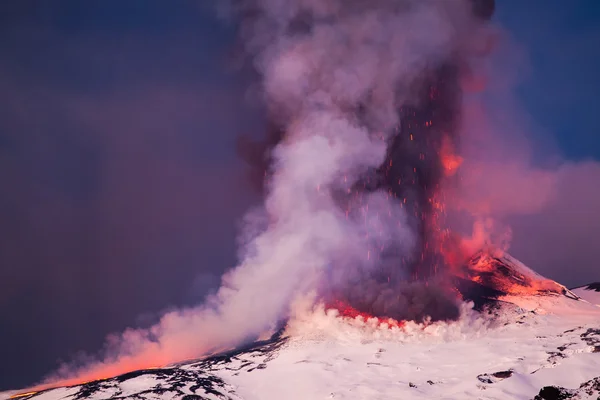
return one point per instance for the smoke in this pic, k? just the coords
(334, 75)
(393, 69)
(320, 324)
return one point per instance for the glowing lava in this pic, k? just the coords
(347, 311)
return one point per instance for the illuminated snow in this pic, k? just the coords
(550, 340)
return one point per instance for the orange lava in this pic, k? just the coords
(450, 160)
(348, 311)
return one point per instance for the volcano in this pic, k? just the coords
(489, 277)
(527, 336)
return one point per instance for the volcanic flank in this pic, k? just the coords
(414, 360)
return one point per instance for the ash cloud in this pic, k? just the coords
(393, 68)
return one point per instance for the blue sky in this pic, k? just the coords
(561, 88)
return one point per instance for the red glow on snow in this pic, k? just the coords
(97, 373)
(347, 311)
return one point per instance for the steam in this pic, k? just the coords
(333, 75)
(391, 69)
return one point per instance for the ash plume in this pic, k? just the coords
(363, 97)
(392, 68)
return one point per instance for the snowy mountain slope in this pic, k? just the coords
(168, 383)
(589, 293)
(517, 346)
(508, 352)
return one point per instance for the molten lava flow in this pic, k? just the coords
(347, 311)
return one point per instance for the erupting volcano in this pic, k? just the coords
(364, 101)
(420, 158)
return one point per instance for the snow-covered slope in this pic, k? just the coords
(508, 352)
(589, 293)
(518, 346)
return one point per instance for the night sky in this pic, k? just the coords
(121, 188)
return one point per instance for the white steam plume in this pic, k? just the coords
(320, 61)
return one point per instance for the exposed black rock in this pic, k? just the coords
(592, 286)
(554, 393)
(495, 377)
(591, 337)
(586, 390)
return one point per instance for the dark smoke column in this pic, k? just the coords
(417, 162)
(412, 173)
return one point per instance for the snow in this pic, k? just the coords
(135, 385)
(509, 352)
(333, 358)
(590, 293)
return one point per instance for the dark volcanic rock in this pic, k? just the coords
(589, 389)
(503, 374)
(591, 337)
(593, 286)
(177, 383)
(554, 393)
(495, 377)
